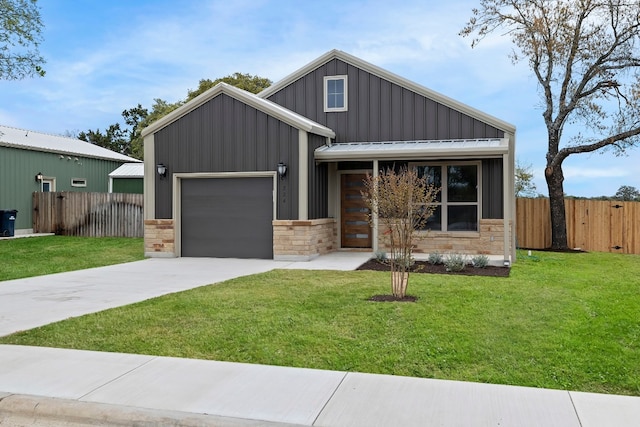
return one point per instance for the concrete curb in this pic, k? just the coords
(34, 411)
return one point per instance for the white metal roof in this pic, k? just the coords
(37, 141)
(404, 150)
(266, 106)
(129, 170)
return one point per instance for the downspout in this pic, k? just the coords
(303, 175)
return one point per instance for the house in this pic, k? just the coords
(128, 178)
(278, 174)
(33, 161)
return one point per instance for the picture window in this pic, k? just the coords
(457, 205)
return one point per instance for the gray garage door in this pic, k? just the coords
(227, 217)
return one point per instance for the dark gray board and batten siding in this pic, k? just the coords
(379, 110)
(226, 135)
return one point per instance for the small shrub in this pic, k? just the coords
(381, 256)
(407, 263)
(435, 258)
(455, 262)
(480, 261)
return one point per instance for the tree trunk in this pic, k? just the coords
(555, 185)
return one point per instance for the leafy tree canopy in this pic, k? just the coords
(524, 181)
(627, 193)
(128, 140)
(253, 84)
(20, 36)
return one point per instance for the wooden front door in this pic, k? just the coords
(354, 222)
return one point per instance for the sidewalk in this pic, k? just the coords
(57, 387)
(126, 389)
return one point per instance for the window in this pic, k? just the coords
(457, 205)
(335, 93)
(78, 182)
(48, 185)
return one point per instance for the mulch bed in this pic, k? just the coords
(391, 298)
(425, 267)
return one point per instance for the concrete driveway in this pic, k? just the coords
(32, 302)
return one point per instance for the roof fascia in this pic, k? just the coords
(245, 97)
(394, 78)
(399, 154)
(68, 153)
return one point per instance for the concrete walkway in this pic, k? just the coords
(57, 387)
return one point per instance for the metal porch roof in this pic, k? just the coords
(405, 150)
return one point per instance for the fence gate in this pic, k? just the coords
(617, 235)
(592, 225)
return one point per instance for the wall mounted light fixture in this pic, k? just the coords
(282, 170)
(39, 177)
(162, 170)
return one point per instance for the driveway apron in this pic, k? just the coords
(36, 301)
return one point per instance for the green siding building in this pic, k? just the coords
(32, 161)
(128, 178)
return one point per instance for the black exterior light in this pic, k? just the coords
(39, 177)
(162, 170)
(282, 170)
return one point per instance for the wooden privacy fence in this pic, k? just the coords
(88, 214)
(592, 225)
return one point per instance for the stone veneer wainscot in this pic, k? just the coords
(302, 240)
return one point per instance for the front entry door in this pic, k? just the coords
(354, 224)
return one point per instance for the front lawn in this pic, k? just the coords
(36, 256)
(565, 321)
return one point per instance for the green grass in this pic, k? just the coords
(35, 256)
(564, 321)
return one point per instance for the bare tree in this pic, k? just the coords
(585, 55)
(402, 202)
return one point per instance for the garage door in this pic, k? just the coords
(227, 217)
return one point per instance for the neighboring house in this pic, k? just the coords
(330, 123)
(33, 161)
(128, 178)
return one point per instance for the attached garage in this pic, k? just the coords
(227, 216)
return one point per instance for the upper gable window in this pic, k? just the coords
(335, 93)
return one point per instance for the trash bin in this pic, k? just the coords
(8, 222)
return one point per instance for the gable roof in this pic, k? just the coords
(38, 141)
(266, 106)
(129, 170)
(394, 78)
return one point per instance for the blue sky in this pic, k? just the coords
(107, 56)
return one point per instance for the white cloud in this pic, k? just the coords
(583, 173)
